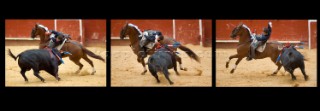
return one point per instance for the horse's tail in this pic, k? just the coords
(13, 56)
(190, 53)
(91, 54)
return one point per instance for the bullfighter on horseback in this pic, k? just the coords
(261, 39)
(56, 38)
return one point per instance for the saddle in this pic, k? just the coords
(260, 46)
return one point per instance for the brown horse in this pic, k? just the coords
(271, 49)
(74, 47)
(134, 32)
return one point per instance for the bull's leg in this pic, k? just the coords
(180, 62)
(154, 74)
(85, 57)
(235, 66)
(231, 57)
(144, 66)
(23, 73)
(166, 74)
(306, 77)
(36, 73)
(175, 68)
(56, 74)
(77, 61)
(292, 75)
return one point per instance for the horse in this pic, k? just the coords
(134, 32)
(77, 50)
(244, 33)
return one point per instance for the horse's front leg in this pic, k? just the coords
(231, 57)
(235, 66)
(144, 66)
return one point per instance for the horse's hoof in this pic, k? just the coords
(227, 65)
(184, 69)
(58, 78)
(77, 72)
(232, 71)
(171, 83)
(144, 72)
(294, 78)
(306, 78)
(93, 73)
(273, 74)
(177, 74)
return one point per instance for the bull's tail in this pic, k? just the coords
(13, 56)
(91, 54)
(190, 53)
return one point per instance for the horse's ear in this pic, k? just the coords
(127, 23)
(36, 26)
(240, 24)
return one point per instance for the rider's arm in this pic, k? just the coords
(56, 33)
(270, 27)
(263, 38)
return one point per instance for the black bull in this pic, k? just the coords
(37, 59)
(161, 61)
(292, 59)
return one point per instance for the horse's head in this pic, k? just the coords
(124, 31)
(38, 30)
(238, 30)
(129, 29)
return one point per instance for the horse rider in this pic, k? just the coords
(56, 39)
(261, 39)
(147, 41)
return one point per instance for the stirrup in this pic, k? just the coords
(62, 62)
(66, 53)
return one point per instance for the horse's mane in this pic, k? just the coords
(246, 27)
(136, 28)
(43, 27)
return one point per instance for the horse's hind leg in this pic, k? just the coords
(77, 61)
(180, 63)
(85, 57)
(278, 64)
(235, 66)
(276, 71)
